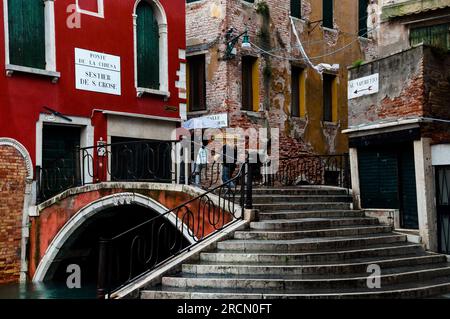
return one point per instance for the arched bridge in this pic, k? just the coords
(66, 228)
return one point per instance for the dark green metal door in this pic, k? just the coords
(387, 180)
(408, 195)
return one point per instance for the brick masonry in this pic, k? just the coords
(13, 175)
(413, 83)
(207, 23)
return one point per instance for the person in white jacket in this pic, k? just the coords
(200, 164)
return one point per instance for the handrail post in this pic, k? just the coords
(102, 282)
(249, 188)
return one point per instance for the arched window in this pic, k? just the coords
(148, 51)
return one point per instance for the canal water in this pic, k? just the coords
(45, 291)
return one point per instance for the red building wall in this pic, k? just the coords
(23, 96)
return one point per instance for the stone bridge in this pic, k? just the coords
(67, 227)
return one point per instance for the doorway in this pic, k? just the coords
(60, 169)
(388, 180)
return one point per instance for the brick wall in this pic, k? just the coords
(12, 189)
(207, 22)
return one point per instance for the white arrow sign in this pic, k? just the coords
(363, 86)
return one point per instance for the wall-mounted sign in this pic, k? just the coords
(221, 119)
(363, 86)
(97, 72)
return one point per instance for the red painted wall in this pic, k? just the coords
(23, 96)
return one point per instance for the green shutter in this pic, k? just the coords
(26, 33)
(147, 47)
(296, 8)
(327, 7)
(378, 178)
(362, 16)
(436, 35)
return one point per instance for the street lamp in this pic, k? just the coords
(232, 41)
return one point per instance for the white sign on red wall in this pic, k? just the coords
(97, 72)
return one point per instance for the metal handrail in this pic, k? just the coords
(197, 219)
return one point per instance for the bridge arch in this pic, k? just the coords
(93, 209)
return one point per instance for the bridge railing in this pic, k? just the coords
(306, 169)
(143, 248)
(131, 161)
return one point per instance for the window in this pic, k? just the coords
(196, 83)
(250, 84)
(298, 96)
(147, 47)
(26, 28)
(435, 35)
(327, 20)
(329, 98)
(296, 8)
(362, 17)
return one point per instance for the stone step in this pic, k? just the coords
(333, 232)
(424, 289)
(308, 244)
(312, 257)
(261, 216)
(387, 277)
(302, 206)
(311, 223)
(275, 198)
(347, 267)
(300, 190)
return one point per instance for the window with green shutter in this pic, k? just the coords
(147, 47)
(436, 35)
(296, 8)
(327, 20)
(26, 27)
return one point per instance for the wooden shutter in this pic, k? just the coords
(327, 7)
(247, 83)
(295, 89)
(147, 47)
(26, 25)
(197, 83)
(436, 35)
(296, 8)
(328, 97)
(362, 16)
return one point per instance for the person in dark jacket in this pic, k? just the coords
(229, 154)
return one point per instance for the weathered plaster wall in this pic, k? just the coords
(207, 22)
(401, 88)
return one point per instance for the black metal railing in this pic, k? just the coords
(137, 161)
(156, 241)
(443, 207)
(332, 170)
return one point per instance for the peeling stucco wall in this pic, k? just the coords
(207, 22)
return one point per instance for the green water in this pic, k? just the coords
(45, 291)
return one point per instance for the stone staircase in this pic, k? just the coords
(308, 243)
